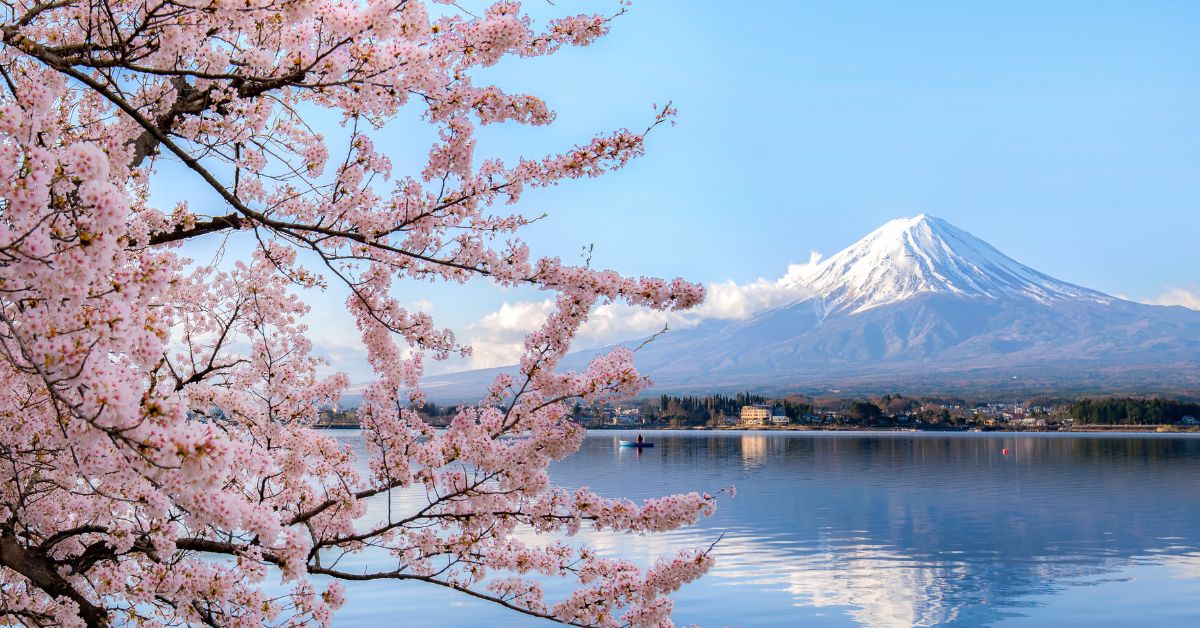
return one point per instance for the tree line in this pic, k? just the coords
(1130, 411)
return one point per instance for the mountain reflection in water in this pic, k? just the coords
(880, 529)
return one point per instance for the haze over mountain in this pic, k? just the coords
(919, 305)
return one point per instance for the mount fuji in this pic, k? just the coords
(921, 306)
(909, 257)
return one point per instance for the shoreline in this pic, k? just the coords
(1088, 429)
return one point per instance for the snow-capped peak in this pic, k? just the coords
(911, 256)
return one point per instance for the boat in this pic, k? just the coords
(634, 443)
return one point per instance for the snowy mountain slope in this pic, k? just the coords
(919, 304)
(911, 256)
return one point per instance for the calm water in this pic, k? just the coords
(845, 529)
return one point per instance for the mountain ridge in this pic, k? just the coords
(919, 304)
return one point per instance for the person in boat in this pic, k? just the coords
(640, 440)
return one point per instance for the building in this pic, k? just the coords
(756, 415)
(626, 416)
(779, 416)
(1190, 420)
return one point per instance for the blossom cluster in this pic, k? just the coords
(157, 413)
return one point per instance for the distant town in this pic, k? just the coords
(888, 412)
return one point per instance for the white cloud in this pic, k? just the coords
(1178, 296)
(496, 338)
(613, 322)
(733, 301)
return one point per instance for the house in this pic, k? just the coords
(626, 416)
(756, 415)
(779, 416)
(1189, 420)
(730, 420)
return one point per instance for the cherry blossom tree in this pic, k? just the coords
(157, 457)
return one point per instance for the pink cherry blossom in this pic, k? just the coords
(160, 463)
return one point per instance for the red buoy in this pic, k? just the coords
(1004, 451)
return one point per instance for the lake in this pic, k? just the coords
(891, 529)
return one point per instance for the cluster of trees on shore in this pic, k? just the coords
(711, 409)
(1130, 411)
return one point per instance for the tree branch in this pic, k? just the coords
(40, 571)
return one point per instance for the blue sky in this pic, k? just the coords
(1066, 134)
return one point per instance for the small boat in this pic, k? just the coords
(634, 443)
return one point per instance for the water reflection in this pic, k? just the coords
(912, 529)
(754, 449)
